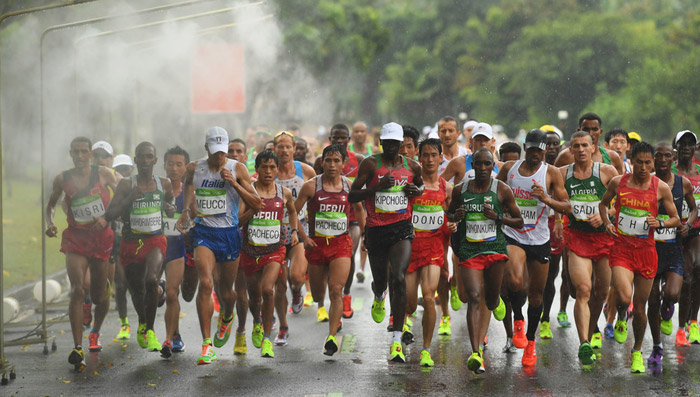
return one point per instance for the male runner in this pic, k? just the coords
(532, 181)
(214, 186)
(593, 124)
(263, 251)
(360, 143)
(124, 167)
(634, 261)
(588, 245)
(480, 206)
(467, 132)
(87, 242)
(140, 200)
(301, 150)
(328, 244)
(386, 182)
(510, 151)
(617, 141)
(669, 249)
(448, 133)
(177, 270)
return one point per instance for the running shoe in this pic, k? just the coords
(94, 339)
(257, 335)
(681, 339)
(161, 297)
(425, 359)
(266, 350)
(509, 347)
(240, 348)
(667, 311)
(666, 327)
(407, 335)
(545, 331)
(657, 353)
(396, 353)
(597, 340)
(281, 338)
(208, 355)
(297, 302)
(87, 314)
(153, 344)
(445, 326)
(360, 277)
(378, 311)
(77, 358)
(224, 331)
(331, 346)
(475, 362)
(499, 313)
(167, 350)
(308, 299)
(455, 303)
(124, 332)
(322, 315)
(141, 336)
(563, 320)
(609, 331)
(529, 355)
(621, 331)
(519, 338)
(694, 333)
(585, 353)
(637, 366)
(347, 306)
(409, 319)
(178, 343)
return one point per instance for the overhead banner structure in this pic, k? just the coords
(218, 78)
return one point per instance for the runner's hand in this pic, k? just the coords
(653, 222)
(183, 222)
(227, 176)
(452, 226)
(684, 229)
(490, 213)
(558, 231)
(169, 209)
(52, 230)
(538, 191)
(411, 190)
(459, 213)
(386, 182)
(99, 224)
(595, 220)
(309, 243)
(610, 230)
(294, 239)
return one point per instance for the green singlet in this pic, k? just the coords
(477, 234)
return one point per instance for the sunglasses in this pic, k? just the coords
(287, 133)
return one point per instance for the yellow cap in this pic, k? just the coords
(634, 135)
(548, 127)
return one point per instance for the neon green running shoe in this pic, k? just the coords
(585, 353)
(208, 355)
(545, 330)
(378, 311)
(637, 366)
(223, 331)
(667, 327)
(425, 359)
(455, 303)
(475, 362)
(409, 320)
(141, 336)
(152, 341)
(694, 333)
(240, 348)
(597, 340)
(499, 313)
(445, 328)
(331, 346)
(124, 332)
(396, 353)
(621, 331)
(563, 320)
(266, 350)
(257, 335)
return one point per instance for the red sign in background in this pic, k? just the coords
(218, 79)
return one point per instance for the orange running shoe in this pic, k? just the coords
(347, 306)
(529, 356)
(681, 339)
(519, 338)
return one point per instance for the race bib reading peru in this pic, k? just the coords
(528, 209)
(263, 232)
(479, 228)
(85, 209)
(584, 205)
(427, 218)
(392, 200)
(210, 202)
(633, 222)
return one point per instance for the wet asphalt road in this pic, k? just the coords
(361, 368)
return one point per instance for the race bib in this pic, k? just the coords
(118, 226)
(392, 200)
(301, 215)
(169, 228)
(667, 234)
(584, 205)
(428, 218)
(330, 224)
(210, 202)
(479, 228)
(528, 209)
(633, 222)
(85, 209)
(147, 220)
(263, 232)
(685, 211)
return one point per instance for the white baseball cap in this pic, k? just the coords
(681, 134)
(122, 159)
(104, 145)
(217, 140)
(470, 123)
(482, 129)
(391, 131)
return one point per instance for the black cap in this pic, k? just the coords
(536, 138)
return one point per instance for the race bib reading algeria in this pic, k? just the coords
(584, 205)
(667, 234)
(479, 227)
(263, 232)
(330, 224)
(145, 217)
(633, 222)
(392, 200)
(528, 209)
(427, 218)
(169, 228)
(210, 202)
(85, 209)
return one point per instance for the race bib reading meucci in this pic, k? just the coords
(210, 202)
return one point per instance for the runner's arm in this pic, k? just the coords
(503, 171)
(564, 158)
(360, 216)
(245, 214)
(188, 198)
(108, 177)
(505, 196)
(690, 199)
(455, 211)
(417, 187)
(307, 171)
(358, 192)
(559, 200)
(122, 199)
(56, 192)
(245, 189)
(451, 169)
(667, 199)
(616, 161)
(293, 217)
(610, 193)
(168, 199)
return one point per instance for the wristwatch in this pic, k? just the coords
(500, 217)
(661, 224)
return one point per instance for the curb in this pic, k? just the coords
(24, 293)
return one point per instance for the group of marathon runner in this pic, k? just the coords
(238, 229)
